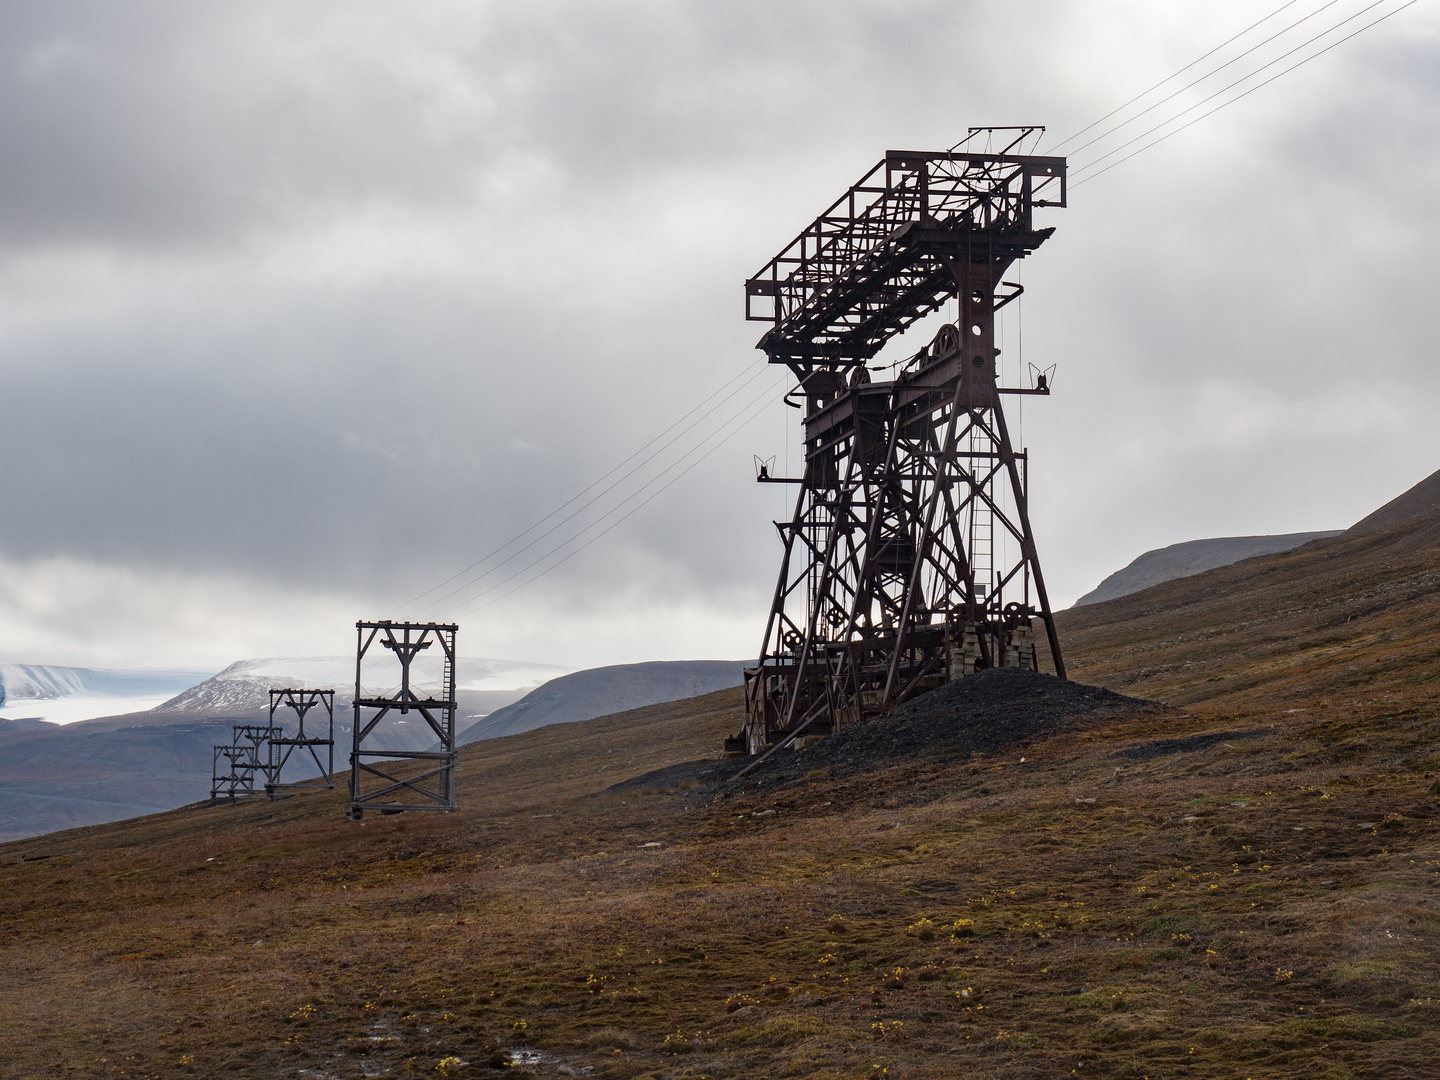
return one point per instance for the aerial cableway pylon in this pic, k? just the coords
(301, 702)
(251, 753)
(909, 559)
(392, 780)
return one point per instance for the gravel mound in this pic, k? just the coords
(979, 714)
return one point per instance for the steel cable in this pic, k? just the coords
(730, 435)
(1181, 71)
(1213, 71)
(754, 372)
(1237, 97)
(1244, 78)
(765, 396)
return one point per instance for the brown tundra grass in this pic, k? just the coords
(1265, 907)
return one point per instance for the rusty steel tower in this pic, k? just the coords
(909, 560)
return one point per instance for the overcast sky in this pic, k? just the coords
(305, 308)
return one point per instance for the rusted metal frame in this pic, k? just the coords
(984, 495)
(839, 583)
(1028, 542)
(937, 457)
(817, 591)
(807, 505)
(858, 286)
(240, 777)
(790, 736)
(362, 646)
(954, 587)
(944, 481)
(968, 192)
(257, 739)
(979, 487)
(890, 525)
(854, 562)
(218, 779)
(825, 597)
(850, 290)
(327, 773)
(925, 669)
(1010, 574)
(844, 582)
(815, 229)
(799, 530)
(423, 708)
(954, 553)
(384, 708)
(864, 579)
(854, 308)
(953, 512)
(967, 573)
(906, 308)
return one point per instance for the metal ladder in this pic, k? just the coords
(982, 520)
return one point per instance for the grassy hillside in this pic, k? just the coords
(1243, 884)
(1353, 615)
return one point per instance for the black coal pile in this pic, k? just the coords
(980, 714)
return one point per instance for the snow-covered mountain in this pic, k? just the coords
(65, 695)
(244, 687)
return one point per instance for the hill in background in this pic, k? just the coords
(1191, 557)
(1361, 608)
(585, 695)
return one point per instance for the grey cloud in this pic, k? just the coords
(387, 284)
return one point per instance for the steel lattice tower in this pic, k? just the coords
(895, 576)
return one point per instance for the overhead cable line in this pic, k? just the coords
(1215, 71)
(730, 435)
(1162, 82)
(1319, 52)
(600, 495)
(754, 372)
(765, 396)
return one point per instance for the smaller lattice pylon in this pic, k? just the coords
(250, 752)
(259, 739)
(230, 775)
(302, 701)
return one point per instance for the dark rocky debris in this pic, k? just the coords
(982, 714)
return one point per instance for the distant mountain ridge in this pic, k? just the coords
(55, 776)
(584, 695)
(45, 682)
(244, 687)
(1192, 557)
